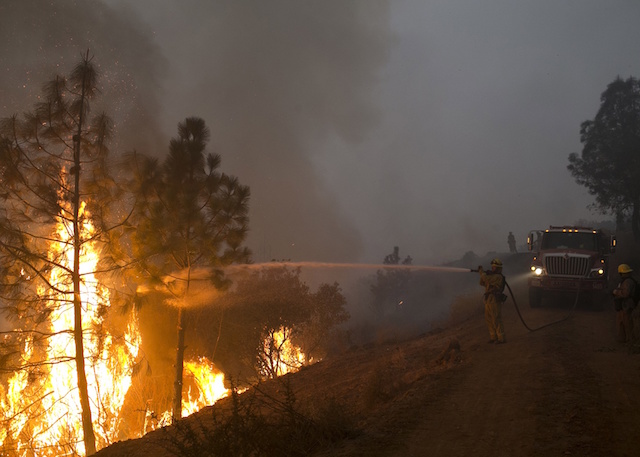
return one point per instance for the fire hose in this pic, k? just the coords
(515, 304)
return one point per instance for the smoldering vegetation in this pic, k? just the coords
(397, 304)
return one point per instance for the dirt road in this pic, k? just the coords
(566, 389)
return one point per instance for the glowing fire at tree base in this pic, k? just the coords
(39, 405)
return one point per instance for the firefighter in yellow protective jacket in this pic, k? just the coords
(494, 283)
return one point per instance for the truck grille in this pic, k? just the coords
(563, 265)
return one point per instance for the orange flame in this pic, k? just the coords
(41, 408)
(282, 355)
(44, 413)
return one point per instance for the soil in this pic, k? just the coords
(567, 389)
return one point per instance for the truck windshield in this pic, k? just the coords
(567, 240)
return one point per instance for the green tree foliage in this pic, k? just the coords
(609, 165)
(190, 223)
(391, 284)
(54, 181)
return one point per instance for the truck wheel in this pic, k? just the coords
(535, 297)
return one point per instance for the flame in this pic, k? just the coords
(204, 385)
(282, 355)
(209, 386)
(43, 409)
(40, 408)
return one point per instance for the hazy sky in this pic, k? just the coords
(436, 126)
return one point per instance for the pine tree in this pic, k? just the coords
(191, 221)
(53, 182)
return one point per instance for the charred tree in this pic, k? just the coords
(190, 222)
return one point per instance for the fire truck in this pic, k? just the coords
(569, 260)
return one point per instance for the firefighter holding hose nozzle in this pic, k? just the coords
(494, 283)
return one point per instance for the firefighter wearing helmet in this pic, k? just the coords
(624, 303)
(493, 282)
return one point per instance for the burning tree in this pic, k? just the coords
(274, 323)
(56, 193)
(190, 223)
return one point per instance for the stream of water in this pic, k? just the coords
(353, 266)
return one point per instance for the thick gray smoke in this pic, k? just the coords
(270, 78)
(40, 39)
(291, 71)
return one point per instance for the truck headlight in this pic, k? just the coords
(537, 271)
(596, 273)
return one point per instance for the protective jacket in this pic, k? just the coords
(494, 283)
(624, 294)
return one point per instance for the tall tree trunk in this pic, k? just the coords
(83, 390)
(177, 384)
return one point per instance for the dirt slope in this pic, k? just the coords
(567, 389)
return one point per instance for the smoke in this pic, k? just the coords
(40, 39)
(272, 79)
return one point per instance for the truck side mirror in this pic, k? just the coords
(530, 241)
(613, 244)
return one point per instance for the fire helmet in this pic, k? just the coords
(496, 262)
(624, 268)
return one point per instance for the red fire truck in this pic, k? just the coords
(569, 259)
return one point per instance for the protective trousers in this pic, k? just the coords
(624, 324)
(493, 318)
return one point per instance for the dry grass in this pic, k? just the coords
(463, 308)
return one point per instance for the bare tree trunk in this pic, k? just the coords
(83, 390)
(177, 384)
(87, 424)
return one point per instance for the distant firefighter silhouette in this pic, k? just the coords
(512, 242)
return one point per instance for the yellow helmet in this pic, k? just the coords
(497, 262)
(624, 268)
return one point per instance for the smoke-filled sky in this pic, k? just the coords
(436, 126)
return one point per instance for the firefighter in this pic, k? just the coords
(511, 240)
(624, 303)
(494, 283)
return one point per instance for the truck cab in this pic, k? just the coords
(569, 259)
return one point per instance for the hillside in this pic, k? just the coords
(566, 389)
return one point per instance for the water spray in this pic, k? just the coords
(375, 266)
(353, 266)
